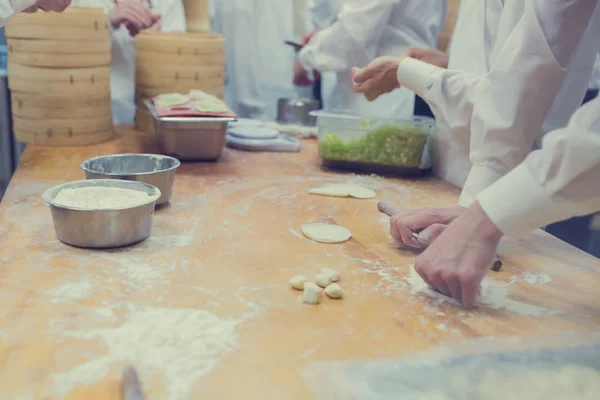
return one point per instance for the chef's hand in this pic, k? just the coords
(430, 56)
(133, 14)
(378, 77)
(49, 5)
(456, 263)
(301, 77)
(306, 38)
(431, 222)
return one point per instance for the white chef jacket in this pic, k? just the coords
(8, 8)
(122, 77)
(510, 78)
(556, 182)
(365, 30)
(236, 20)
(595, 82)
(323, 14)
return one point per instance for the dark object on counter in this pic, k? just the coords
(422, 108)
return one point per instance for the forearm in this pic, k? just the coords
(514, 99)
(342, 46)
(448, 92)
(557, 182)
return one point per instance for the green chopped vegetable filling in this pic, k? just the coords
(386, 145)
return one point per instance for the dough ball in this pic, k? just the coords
(325, 233)
(323, 280)
(334, 291)
(297, 282)
(334, 275)
(312, 293)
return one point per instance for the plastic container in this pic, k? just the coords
(384, 146)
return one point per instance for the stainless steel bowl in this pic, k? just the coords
(153, 169)
(297, 111)
(106, 228)
(191, 138)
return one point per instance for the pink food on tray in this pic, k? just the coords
(194, 104)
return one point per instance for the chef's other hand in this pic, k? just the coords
(378, 77)
(155, 27)
(431, 222)
(301, 77)
(306, 38)
(430, 56)
(49, 5)
(456, 263)
(133, 14)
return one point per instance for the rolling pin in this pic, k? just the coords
(130, 384)
(391, 210)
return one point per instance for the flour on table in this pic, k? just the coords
(540, 278)
(182, 345)
(98, 198)
(493, 295)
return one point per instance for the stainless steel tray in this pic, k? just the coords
(191, 138)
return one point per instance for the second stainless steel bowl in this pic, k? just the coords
(297, 111)
(153, 169)
(102, 228)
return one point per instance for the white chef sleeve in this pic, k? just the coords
(514, 98)
(8, 8)
(449, 92)
(347, 42)
(172, 16)
(559, 181)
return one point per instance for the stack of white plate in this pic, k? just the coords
(254, 135)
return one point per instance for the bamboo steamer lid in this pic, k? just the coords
(200, 76)
(58, 54)
(64, 140)
(36, 106)
(174, 43)
(197, 15)
(144, 121)
(63, 127)
(83, 23)
(68, 81)
(201, 58)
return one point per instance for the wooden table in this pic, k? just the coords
(203, 309)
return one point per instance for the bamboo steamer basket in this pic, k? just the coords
(74, 139)
(448, 30)
(190, 43)
(171, 76)
(64, 127)
(41, 106)
(197, 15)
(59, 54)
(84, 23)
(67, 81)
(144, 121)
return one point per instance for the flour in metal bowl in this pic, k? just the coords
(100, 198)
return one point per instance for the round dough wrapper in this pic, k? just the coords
(325, 233)
(356, 191)
(330, 191)
(171, 99)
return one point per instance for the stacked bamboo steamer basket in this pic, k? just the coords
(451, 17)
(197, 15)
(176, 62)
(59, 77)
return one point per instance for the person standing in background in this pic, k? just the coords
(9, 8)
(364, 31)
(236, 21)
(321, 15)
(128, 18)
